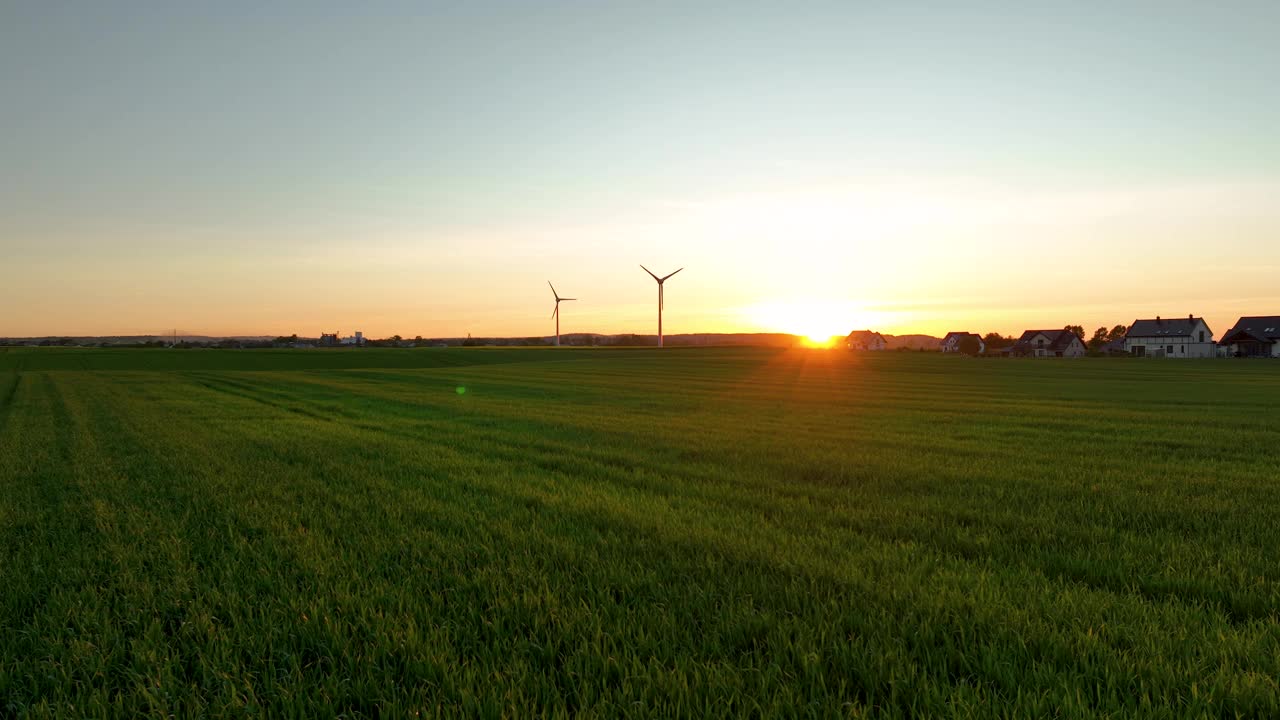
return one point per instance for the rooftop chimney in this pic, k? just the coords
(1158, 322)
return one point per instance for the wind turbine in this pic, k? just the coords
(659, 280)
(556, 313)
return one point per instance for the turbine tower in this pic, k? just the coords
(659, 280)
(556, 313)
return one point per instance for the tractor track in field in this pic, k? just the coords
(6, 400)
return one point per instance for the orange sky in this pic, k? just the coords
(905, 258)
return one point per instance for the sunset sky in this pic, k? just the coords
(425, 168)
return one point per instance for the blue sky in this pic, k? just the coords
(425, 167)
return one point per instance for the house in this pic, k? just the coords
(328, 339)
(1188, 337)
(1048, 343)
(865, 340)
(1254, 337)
(951, 343)
(1114, 347)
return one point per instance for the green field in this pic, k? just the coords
(698, 533)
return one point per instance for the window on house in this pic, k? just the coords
(1170, 350)
(1182, 349)
(1201, 336)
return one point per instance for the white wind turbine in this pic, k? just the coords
(659, 280)
(556, 313)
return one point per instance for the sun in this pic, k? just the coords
(818, 322)
(816, 328)
(819, 340)
(820, 334)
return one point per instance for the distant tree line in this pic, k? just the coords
(1102, 336)
(996, 341)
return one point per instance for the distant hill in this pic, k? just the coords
(769, 339)
(639, 340)
(126, 339)
(912, 342)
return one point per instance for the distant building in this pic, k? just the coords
(865, 340)
(1114, 347)
(357, 339)
(1048, 343)
(328, 339)
(1254, 337)
(951, 343)
(1188, 337)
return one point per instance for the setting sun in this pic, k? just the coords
(817, 321)
(812, 341)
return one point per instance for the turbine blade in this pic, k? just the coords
(672, 274)
(553, 290)
(655, 277)
(567, 299)
(557, 310)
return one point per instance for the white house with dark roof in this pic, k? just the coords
(951, 343)
(1188, 337)
(1048, 343)
(1257, 336)
(865, 340)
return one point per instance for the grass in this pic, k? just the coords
(701, 532)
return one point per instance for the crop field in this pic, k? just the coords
(633, 532)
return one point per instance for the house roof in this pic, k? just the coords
(864, 335)
(958, 335)
(1165, 327)
(1260, 328)
(1058, 339)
